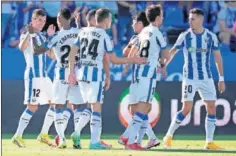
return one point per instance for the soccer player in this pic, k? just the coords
(151, 46)
(93, 42)
(37, 84)
(61, 43)
(197, 44)
(139, 22)
(86, 113)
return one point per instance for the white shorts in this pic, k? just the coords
(142, 90)
(63, 92)
(38, 90)
(92, 92)
(205, 88)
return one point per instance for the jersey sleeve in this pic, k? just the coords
(108, 46)
(77, 40)
(161, 41)
(51, 41)
(180, 42)
(215, 43)
(22, 37)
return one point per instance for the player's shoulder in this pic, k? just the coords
(185, 33)
(133, 37)
(210, 33)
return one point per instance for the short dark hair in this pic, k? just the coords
(39, 12)
(65, 12)
(102, 14)
(90, 14)
(152, 12)
(196, 11)
(141, 17)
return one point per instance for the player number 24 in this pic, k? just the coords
(92, 48)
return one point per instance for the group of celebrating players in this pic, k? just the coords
(82, 75)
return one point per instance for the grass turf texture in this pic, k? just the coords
(183, 145)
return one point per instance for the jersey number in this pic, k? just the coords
(36, 92)
(92, 48)
(144, 48)
(188, 89)
(66, 50)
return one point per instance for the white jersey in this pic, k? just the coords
(61, 43)
(93, 43)
(151, 42)
(197, 49)
(35, 64)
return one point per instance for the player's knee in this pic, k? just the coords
(70, 106)
(51, 104)
(132, 109)
(143, 108)
(89, 105)
(186, 110)
(149, 108)
(33, 108)
(76, 107)
(58, 106)
(211, 108)
(96, 107)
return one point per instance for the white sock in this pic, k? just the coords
(142, 130)
(127, 130)
(150, 133)
(48, 120)
(175, 124)
(24, 121)
(136, 124)
(66, 116)
(59, 123)
(210, 127)
(83, 120)
(95, 127)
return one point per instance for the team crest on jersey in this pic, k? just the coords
(207, 39)
(191, 49)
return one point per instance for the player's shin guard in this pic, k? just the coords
(48, 120)
(66, 116)
(175, 124)
(59, 123)
(151, 135)
(95, 127)
(83, 120)
(24, 121)
(136, 124)
(77, 115)
(142, 130)
(127, 130)
(210, 127)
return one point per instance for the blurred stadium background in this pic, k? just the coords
(15, 14)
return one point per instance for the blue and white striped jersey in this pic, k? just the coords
(61, 43)
(93, 44)
(35, 64)
(197, 49)
(151, 42)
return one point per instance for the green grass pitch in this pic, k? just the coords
(183, 145)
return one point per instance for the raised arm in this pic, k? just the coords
(24, 41)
